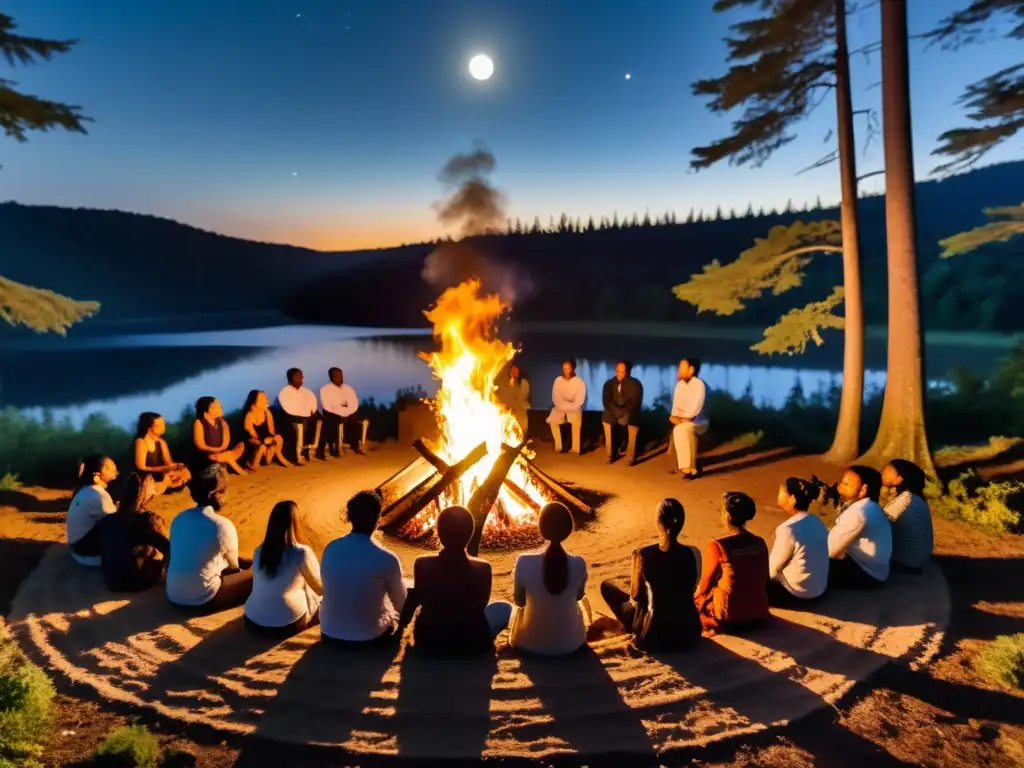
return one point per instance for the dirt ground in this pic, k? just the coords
(946, 716)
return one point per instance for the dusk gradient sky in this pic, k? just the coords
(206, 110)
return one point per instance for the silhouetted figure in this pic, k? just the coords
(452, 591)
(135, 543)
(733, 592)
(622, 397)
(658, 611)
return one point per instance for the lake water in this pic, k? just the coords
(122, 376)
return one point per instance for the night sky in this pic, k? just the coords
(324, 122)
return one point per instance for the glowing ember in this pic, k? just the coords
(467, 410)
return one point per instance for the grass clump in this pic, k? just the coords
(957, 455)
(983, 506)
(1002, 661)
(131, 746)
(9, 482)
(26, 706)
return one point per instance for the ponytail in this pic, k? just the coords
(555, 525)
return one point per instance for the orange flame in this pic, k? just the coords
(467, 408)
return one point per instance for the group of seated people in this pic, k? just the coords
(359, 597)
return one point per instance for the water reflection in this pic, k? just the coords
(124, 376)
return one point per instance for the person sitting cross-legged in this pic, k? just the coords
(153, 456)
(205, 573)
(860, 542)
(364, 592)
(135, 544)
(913, 536)
(798, 564)
(659, 611)
(733, 592)
(548, 588)
(211, 438)
(91, 509)
(452, 591)
(264, 445)
(286, 586)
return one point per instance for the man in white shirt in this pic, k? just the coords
(340, 402)
(300, 409)
(364, 592)
(568, 395)
(688, 418)
(205, 571)
(860, 542)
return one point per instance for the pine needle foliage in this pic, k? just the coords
(1006, 223)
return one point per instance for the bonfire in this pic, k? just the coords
(480, 458)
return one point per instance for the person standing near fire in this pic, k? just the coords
(299, 408)
(568, 394)
(340, 403)
(622, 397)
(514, 394)
(688, 418)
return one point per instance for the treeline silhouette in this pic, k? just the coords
(623, 269)
(599, 269)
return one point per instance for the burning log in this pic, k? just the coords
(483, 498)
(438, 463)
(416, 500)
(559, 490)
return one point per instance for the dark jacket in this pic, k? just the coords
(622, 407)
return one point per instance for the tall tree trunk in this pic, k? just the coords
(846, 444)
(901, 432)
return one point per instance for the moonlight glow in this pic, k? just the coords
(481, 67)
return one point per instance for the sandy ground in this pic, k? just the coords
(209, 672)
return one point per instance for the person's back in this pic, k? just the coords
(913, 536)
(285, 597)
(668, 620)
(360, 577)
(200, 542)
(806, 573)
(741, 594)
(453, 592)
(548, 623)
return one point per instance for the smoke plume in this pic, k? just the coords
(478, 208)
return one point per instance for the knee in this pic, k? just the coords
(278, 440)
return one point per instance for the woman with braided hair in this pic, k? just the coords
(798, 565)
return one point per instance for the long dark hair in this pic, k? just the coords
(280, 536)
(146, 422)
(803, 491)
(913, 476)
(136, 495)
(90, 467)
(250, 401)
(203, 405)
(555, 525)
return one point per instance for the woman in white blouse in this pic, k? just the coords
(548, 588)
(286, 586)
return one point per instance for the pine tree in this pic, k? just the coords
(817, 203)
(760, 211)
(537, 229)
(718, 213)
(780, 62)
(1006, 223)
(635, 222)
(672, 217)
(789, 206)
(590, 224)
(749, 213)
(646, 222)
(691, 217)
(36, 308)
(995, 103)
(615, 220)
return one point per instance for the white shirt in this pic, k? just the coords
(688, 401)
(341, 401)
(863, 532)
(290, 594)
(299, 402)
(363, 589)
(568, 395)
(799, 559)
(203, 545)
(548, 624)
(90, 505)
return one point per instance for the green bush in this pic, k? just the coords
(131, 746)
(9, 482)
(1002, 661)
(26, 706)
(983, 506)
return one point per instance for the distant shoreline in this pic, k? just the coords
(752, 335)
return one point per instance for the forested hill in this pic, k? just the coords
(142, 266)
(627, 272)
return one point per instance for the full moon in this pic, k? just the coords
(481, 67)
